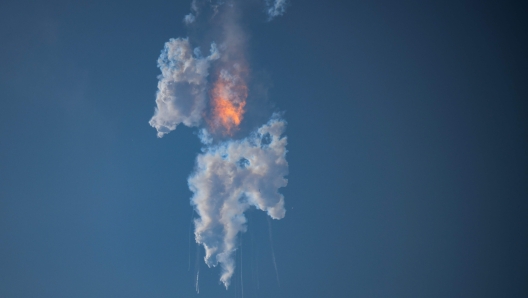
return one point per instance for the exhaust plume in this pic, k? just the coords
(210, 92)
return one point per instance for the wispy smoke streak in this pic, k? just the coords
(257, 265)
(273, 252)
(197, 268)
(253, 257)
(197, 284)
(190, 232)
(242, 269)
(236, 280)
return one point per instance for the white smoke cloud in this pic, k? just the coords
(182, 86)
(276, 8)
(231, 177)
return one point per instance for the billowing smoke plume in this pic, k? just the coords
(182, 86)
(233, 173)
(231, 177)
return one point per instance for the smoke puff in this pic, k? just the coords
(181, 96)
(189, 19)
(231, 177)
(276, 8)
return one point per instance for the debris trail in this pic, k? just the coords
(197, 268)
(197, 284)
(236, 281)
(257, 262)
(252, 256)
(190, 232)
(273, 250)
(241, 269)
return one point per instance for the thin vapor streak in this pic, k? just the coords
(252, 255)
(236, 280)
(273, 251)
(190, 232)
(242, 269)
(197, 268)
(197, 284)
(257, 265)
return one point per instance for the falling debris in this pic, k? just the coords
(190, 232)
(197, 284)
(242, 270)
(273, 252)
(197, 268)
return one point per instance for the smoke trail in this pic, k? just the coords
(273, 251)
(190, 230)
(252, 256)
(197, 284)
(236, 281)
(197, 268)
(257, 263)
(242, 269)
(211, 92)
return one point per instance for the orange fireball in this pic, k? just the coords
(228, 99)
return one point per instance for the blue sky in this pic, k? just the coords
(406, 147)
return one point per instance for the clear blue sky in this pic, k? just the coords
(407, 130)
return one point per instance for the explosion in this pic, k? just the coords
(228, 99)
(232, 174)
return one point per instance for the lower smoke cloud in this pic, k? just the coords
(231, 177)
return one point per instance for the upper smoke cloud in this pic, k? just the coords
(211, 92)
(181, 96)
(231, 177)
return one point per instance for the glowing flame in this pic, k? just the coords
(228, 99)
